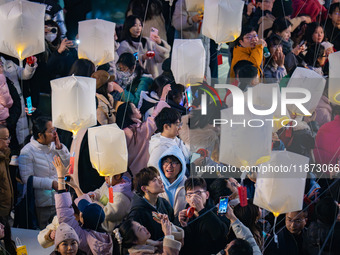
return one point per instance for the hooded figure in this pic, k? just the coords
(172, 168)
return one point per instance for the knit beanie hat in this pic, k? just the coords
(63, 233)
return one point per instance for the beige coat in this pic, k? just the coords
(106, 114)
(152, 65)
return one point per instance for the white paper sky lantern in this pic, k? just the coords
(264, 95)
(306, 79)
(334, 78)
(5, 1)
(282, 190)
(22, 29)
(188, 61)
(222, 20)
(108, 150)
(74, 103)
(242, 144)
(96, 41)
(194, 5)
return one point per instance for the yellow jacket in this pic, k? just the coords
(254, 55)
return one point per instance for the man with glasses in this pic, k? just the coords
(205, 232)
(7, 196)
(290, 237)
(168, 123)
(172, 171)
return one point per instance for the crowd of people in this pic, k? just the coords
(157, 205)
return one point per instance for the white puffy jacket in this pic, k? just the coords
(36, 159)
(14, 73)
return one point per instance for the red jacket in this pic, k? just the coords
(311, 8)
(327, 143)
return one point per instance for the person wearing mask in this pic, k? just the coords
(36, 160)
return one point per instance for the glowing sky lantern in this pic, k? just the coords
(306, 79)
(243, 144)
(188, 61)
(96, 41)
(280, 188)
(222, 20)
(108, 150)
(194, 5)
(334, 78)
(263, 95)
(74, 103)
(22, 29)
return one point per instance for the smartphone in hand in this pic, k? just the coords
(223, 205)
(29, 105)
(153, 31)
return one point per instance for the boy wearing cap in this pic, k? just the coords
(92, 237)
(115, 210)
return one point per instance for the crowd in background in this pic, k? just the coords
(156, 205)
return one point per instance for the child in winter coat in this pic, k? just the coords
(135, 238)
(138, 133)
(92, 237)
(116, 210)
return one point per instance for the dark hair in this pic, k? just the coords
(145, 8)
(82, 67)
(336, 110)
(57, 41)
(248, 216)
(218, 188)
(326, 210)
(240, 247)
(128, 60)
(314, 52)
(333, 7)
(10, 246)
(246, 74)
(280, 24)
(245, 30)
(176, 91)
(103, 90)
(197, 120)
(310, 29)
(193, 182)
(158, 84)
(130, 22)
(121, 120)
(166, 116)
(143, 178)
(2, 127)
(39, 126)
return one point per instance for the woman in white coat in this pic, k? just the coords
(133, 43)
(36, 160)
(16, 73)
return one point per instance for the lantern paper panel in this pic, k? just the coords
(96, 41)
(242, 144)
(281, 190)
(194, 5)
(22, 29)
(74, 103)
(306, 79)
(334, 78)
(222, 20)
(108, 150)
(5, 1)
(265, 95)
(188, 61)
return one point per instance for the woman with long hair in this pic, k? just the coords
(138, 133)
(151, 52)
